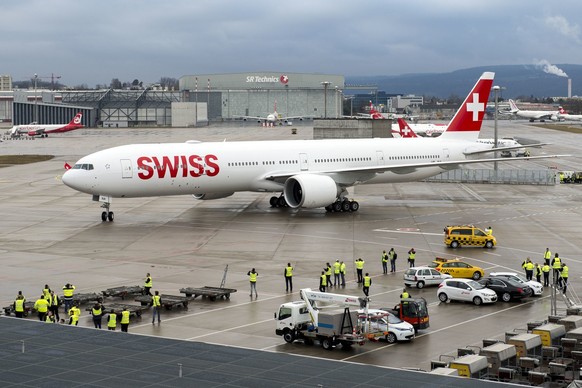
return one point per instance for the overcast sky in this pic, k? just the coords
(91, 42)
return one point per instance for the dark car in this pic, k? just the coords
(507, 289)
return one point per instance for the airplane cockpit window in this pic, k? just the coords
(84, 166)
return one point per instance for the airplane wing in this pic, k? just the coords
(250, 117)
(351, 176)
(516, 147)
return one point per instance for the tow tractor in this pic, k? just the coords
(413, 311)
(305, 320)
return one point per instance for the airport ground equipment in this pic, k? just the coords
(84, 298)
(168, 301)
(123, 291)
(470, 365)
(413, 311)
(551, 333)
(134, 310)
(28, 307)
(500, 355)
(209, 292)
(527, 345)
(305, 320)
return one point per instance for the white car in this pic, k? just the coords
(380, 321)
(537, 287)
(424, 276)
(466, 290)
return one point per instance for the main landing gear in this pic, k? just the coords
(340, 205)
(106, 215)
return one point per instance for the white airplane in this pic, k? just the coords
(424, 129)
(273, 118)
(309, 173)
(563, 115)
(507, 146)
(532, 115)
(43, 130)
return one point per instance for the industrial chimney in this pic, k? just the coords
(569, 87)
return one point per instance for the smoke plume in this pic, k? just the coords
(547, 67)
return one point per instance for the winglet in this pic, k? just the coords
(466, 123)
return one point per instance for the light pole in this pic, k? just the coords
(35, 119)
(496, 94)
(325, 85)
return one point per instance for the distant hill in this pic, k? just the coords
(518, 80)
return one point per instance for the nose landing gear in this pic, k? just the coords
(106, 215)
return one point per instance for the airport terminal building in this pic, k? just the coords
(230, 96)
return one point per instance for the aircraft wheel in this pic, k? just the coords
(110, 216)
(104, 216)
(354, 206)
(281, 202)
(273, 201)
(337, 206)
(346, 206)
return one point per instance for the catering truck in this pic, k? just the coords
(309, 321)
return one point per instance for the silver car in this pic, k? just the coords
(424, 276)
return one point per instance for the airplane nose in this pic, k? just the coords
(66, 178)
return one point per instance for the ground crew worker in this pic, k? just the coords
(547, 256)
(50, 318)
(367, 284)
(564, 277)
(20, 295)
(411, 257)
(124, 320)
(529, 268)
(111, 320)
(405, 294)
(360, 269)
(384, 260)
(288, 278)
(147, 285)
(538, 273)
(46, 292)
(253, 280)
(19, 306)
(489, 231)
(546, 271)
(392, 256)
(55, 302)
(328, 274)
(97, 313)
(74, 314)
(68, 291)
(41, 306)
(343, 273)
(322, 282)
(336, 273)
(157, 305)
(556, 266)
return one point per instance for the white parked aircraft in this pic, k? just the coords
(309, 173)
(402, 127)
(43, 130)
(563, 115)
(273, 118)
(532, 115)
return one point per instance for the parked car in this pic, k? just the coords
(537, 287)
(465, 290)
(457, 268)
(424, 276)
(506, 288)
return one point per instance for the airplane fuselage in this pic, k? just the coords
(203, 168)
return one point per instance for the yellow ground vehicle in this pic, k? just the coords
(457, 268)
(459, 235)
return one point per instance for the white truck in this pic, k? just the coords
(305, 320)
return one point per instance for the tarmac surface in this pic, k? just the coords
(52, 235)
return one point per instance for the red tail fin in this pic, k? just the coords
(67, 166)
(77, 119)
(467, 121)
(405, 130)
(562, 111)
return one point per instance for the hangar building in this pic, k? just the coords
(230, 96)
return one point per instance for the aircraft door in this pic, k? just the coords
(303, 162)
(380, 156)
(126, 169)
(446, 154)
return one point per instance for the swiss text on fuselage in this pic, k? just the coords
(177, 166)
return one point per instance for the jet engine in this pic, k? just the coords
(310, 191)
(210, 196)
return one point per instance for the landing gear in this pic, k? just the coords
(344, 205)
(278, 201)
(106, 215)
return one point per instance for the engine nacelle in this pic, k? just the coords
(206, 197)
(310, 191)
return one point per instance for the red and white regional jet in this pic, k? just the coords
(404, 129)
(43, 130)
(308, 173)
